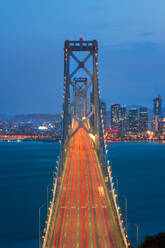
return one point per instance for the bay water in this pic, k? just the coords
(140, 172)
(26, 171)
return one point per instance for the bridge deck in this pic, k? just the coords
(83, 214)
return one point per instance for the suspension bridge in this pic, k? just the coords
(83, 211)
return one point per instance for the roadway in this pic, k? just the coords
(83, 214)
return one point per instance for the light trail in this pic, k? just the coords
(70, 214)
(92, 203)
(74, 210)
(101, 199)
(84, 214)
(97, 196)
(82, 203)
(72, 164)
(101, 242)
(62, 202)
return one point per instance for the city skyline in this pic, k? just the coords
(131, 51)
(108, 106)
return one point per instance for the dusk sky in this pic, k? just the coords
(131, 36)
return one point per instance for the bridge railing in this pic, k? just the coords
(51, 207)
(107, 169)
(56, 182)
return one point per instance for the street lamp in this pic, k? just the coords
(137, 230)
(40, 224)
(117, 184)
(47, 190)
(125, 198)
(55, 171)
(55, 174)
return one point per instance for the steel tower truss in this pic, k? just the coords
(80, 98)
(80, 105)
(70, 48)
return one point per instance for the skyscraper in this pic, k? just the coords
(133, 121)
(157, 109)
(123, 118)
(143, 119)
(157, 106)
(162, 126)
(115, 116)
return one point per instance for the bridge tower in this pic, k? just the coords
(80, 98)
(73, 49)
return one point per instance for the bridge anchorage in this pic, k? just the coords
(83, 211)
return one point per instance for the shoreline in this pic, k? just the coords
(57, 140)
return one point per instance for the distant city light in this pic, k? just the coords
(150, 134)
(43, 127)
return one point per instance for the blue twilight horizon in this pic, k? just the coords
(131, 50)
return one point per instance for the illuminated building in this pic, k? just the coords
(115, 116)
(133, 120)
(157, 106)
(162, 126)
(113, 136)
(143, 119)
(157, 109)
(123, 118)
(43, 128)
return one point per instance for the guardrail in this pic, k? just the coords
(48, 222)
(117, 208)
(108, 172)
(103, 157)
(46, 231)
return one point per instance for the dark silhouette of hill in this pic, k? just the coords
(35, 117)
(157, 241)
